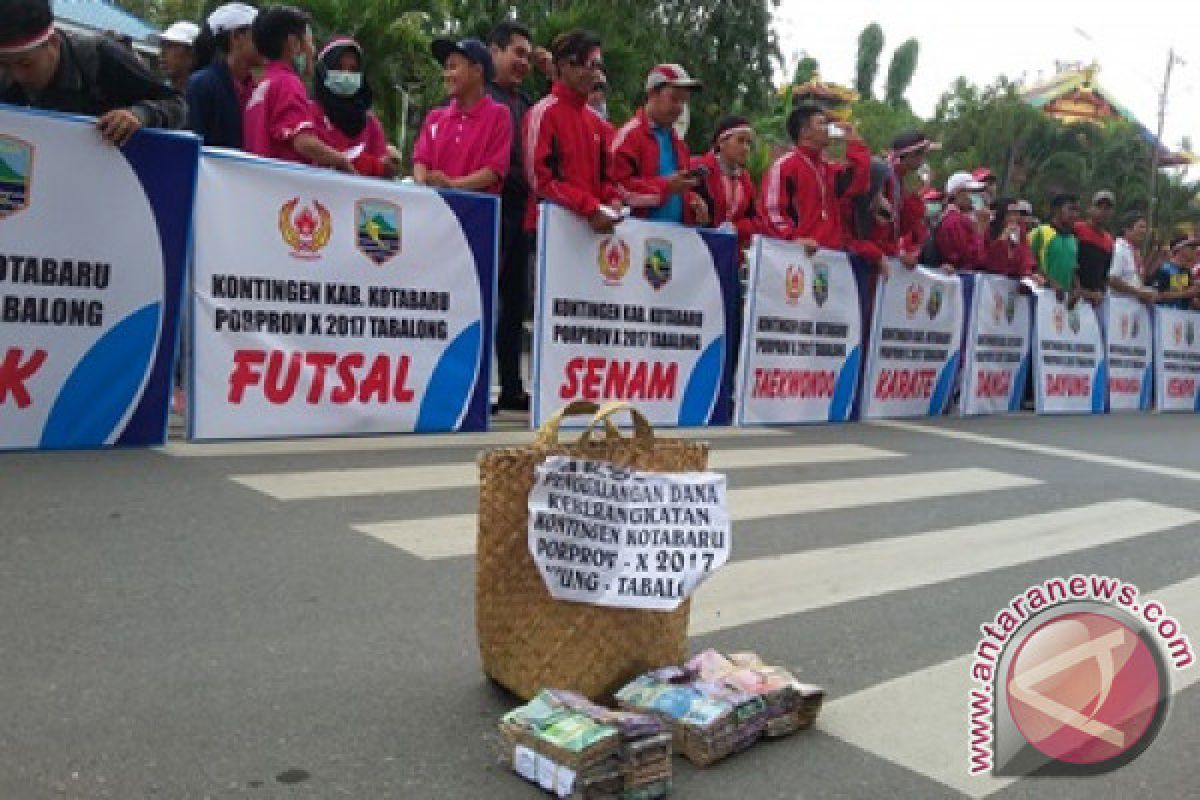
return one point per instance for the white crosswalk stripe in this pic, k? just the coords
(882, 719)
(747, 592)
(398, 480)
(454, 535)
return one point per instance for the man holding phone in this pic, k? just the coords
(650, 161)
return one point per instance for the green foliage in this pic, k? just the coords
(806, 69)
(900, 73)
(870, 46)
(878, 122)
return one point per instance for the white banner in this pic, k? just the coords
(916, 334)
(93, 245)
(996, 360)
(645, 315)
(801, 350)
(1177, 360)
(610, 536)
(1068, 357)
(1129, 336)
(328, 304)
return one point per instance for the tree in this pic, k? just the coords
(900, 73)
(806, 69)
(870, 45)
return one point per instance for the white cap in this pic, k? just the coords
(181, 32)
(961, 181)
(231, 16)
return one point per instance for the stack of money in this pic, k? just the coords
(705, 728)
(790, 705)
(564, 751)
(645, 754)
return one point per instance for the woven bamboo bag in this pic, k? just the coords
(528, 640)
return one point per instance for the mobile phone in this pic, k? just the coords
(699, 172)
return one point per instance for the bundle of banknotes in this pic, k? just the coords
(581, 751)
(720, 705)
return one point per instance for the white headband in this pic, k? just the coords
(28, 43)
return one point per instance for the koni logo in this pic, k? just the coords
(1072, 678)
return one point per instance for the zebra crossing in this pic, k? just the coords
(777, 477)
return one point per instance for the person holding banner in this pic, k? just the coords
(1173, 279)
(176, 47)
(467, 143)
(728, 189)
(1128, 274)
(217, 92)
(959, 233)
(343, 113)
(43, 67)
(650, 160)
(1056, 248)
(565, 144)
(1008, 250)
(802, 190)
(278, 121)
(906, 225)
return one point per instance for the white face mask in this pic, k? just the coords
(343, 83)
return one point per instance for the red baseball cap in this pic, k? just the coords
(671, 75)
(982, 174)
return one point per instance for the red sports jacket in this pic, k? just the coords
(730, 198)
(634, 152)
(801, 191)
(566, 155)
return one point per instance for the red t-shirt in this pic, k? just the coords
(278, 110)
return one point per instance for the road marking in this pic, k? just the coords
(747, 592)
(366, 444)
(1044, 449)
(919, 721)
(464, 475)
(454, 535)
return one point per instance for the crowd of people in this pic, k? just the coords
(240, 80)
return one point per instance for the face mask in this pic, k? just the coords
(300, 63)
(977, 202)
(342, 83)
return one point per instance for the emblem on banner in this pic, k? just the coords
(935, 300)
(820, 283)
(1135, 326)
(16, 166)
(1060, 319)
(613, 260)
(377, 229)
(307, 230)
(1124, 326)
(1010, 308)
(1073, 321)
(1189, 334)
(657, 266)
(998, 308)
(793, 284)
(1178, 333)
(912, 299)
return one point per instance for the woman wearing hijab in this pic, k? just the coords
(342, 114)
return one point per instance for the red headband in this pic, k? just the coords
(28, 43)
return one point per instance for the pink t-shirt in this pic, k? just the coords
(460, 141)
(368, 150)
(279, 109)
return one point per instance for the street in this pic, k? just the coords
(295, 618)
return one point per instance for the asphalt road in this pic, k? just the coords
(211, 621)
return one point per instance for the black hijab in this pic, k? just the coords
(348, 114)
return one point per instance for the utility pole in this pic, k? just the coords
(1172, 60)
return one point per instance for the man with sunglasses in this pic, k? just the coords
(43, 67)
(565, 143)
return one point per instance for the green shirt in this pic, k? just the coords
(1057, 254)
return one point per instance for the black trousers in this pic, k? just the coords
(513, 286)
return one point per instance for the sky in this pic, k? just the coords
(981, 40)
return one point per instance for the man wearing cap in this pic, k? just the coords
(727, 188)
(650, 160)
(1173, 280)
(1096, 246)
(278, 121)
(906, 226)
(43, 67)
(467, 143)
(959, 236)
(218, 92)
(565, 148)
(175, 49)
(1056, 248)
(988, 196)
(802, 191)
